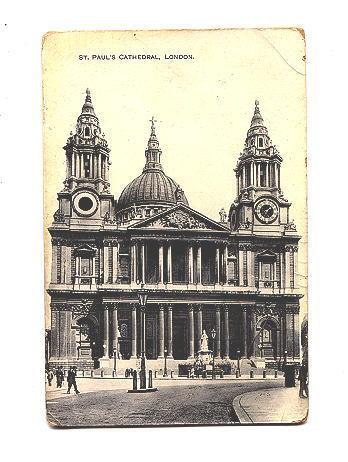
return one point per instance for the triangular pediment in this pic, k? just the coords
(180, 217)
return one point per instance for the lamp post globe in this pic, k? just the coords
(165, 372)
(238, 362)
(213, 336)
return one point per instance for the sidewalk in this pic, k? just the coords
(274, 405)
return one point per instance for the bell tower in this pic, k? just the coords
(260, 206)
(87, 152)
(85, 200)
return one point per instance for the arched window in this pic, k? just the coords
(260, 143)
(87, 132)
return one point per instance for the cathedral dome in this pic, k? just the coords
(153, 186)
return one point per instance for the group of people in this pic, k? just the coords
(59, 374)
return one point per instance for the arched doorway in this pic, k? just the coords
(87, 340)
(268, 339)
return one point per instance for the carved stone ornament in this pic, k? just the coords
(268, 309)
(181, 220)
(290, 226)
(246, 224)
(58, 217)
(83, 308)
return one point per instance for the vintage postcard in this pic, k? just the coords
(175, 227)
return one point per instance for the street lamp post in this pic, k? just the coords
(238, 362)
(213, 335)
(142, 297)
(285, 357)
(115, 351)
(165, 372)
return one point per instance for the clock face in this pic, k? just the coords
(85, 203)
(266, 211)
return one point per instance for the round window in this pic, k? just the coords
(85, 203)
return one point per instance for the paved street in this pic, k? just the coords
(196, 402)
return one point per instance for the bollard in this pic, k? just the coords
(92, 373)
(114, 373)
(188, 373)
(251, 374)
(171, 374)
(142, 376)
(275, 374)
(221, 374)
(83, 372)
(155, 374)
(237, 374)
(263, 374)
(150, 379)
(135, 381)
(102, 373)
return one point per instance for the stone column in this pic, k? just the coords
(217, 264)
(106, 263)
(54, 331)
(63, 334)
(161, 331)
(54, 262)
(226, 332)
(114, 328)
(169, 264)
(170, 331)
(91, 166)
(267, 175)
(115, 263)
(296, 268)
(68, 320)
(225, 278)
(143, 262)
(160, 263)
(106, 331)
(199, 264)
(289, 332)
(134, 331)
(73, 163)
(253, 333)
(245, 333)
(240, 267)
(99, 165)
(191, 333)
(250, 267)
(218, 332)
(199, 326)
(190, 252)
(133, 262)
(287, 266)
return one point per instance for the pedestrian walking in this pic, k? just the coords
(60, 376)
(72, 379)
(303, 378)
(49, 377)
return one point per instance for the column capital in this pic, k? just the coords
(170, 307)
(191, 306)
(199, 307)
(111, 305)
(218, 308)
(161, 307)
(226, 308)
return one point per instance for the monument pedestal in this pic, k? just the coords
(206, 356)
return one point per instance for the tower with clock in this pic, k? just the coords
(86, 198)
(260, 206)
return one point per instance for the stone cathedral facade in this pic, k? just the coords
(237, 276)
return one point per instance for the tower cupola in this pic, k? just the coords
(87, 152)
